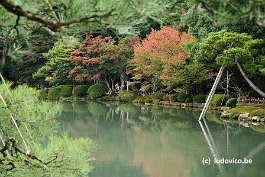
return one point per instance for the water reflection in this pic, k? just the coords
(160, 142)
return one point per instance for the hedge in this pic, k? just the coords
(65, 90)
(199, 98)
(231, 102)
(53, 93)
(80, 90)
(97, 90)
(219, 100)
(182, 97)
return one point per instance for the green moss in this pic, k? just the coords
(254, 111)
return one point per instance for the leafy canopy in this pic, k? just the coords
(224, 47)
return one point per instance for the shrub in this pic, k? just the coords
(97, 90)
(120, 94)
(173, 97)
(188, 100)
(155, 101)
(80, 90)
(158, 96)
(65, 90)
(128, 97)
(139, 99)
(166, 98)
(53, 93)
(182, 97)
(148, 100)
(231, 102)
(199, 98)
(43, 94)
(219, 100)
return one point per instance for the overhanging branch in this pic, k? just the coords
(53, 25)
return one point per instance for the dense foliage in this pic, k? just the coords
(80, 90)
(156, 49)
(97, 90)
(26, 119)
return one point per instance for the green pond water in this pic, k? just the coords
(148, 141)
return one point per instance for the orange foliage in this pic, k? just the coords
(159, 50)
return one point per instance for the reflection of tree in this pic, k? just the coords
(97, 109)
(152, 139)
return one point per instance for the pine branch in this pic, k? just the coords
(53, 25)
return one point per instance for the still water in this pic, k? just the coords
(149, 141)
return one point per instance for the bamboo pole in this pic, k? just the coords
(13, 119)
(207, 103)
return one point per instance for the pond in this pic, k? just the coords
(150, 141)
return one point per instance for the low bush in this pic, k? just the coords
(65, 90)
(182, 97)
(139, 99)
(231, 102)
(166, 98)
(148, 100)
(155, 101)
(97, 90)
(199, 98)
(127, 97)
(158, 96)
(53, 93)
(43, 94)
(188, 100)
(219, 100)
(80, 90)
(173, 97)
(120, 94)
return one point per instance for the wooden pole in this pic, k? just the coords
(206, 105)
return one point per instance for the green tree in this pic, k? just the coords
(230, 48)
(58, 58)
(31, 145)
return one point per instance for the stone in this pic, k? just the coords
(262, 120)
(243, 116)
(245, 124)
(255, 123)
(255, 118)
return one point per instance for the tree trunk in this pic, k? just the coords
(122, 81)
(4, 54)
(248, 80)
(112, 86)
(107, 83)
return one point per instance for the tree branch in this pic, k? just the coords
(53, 25)
(51, 9)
